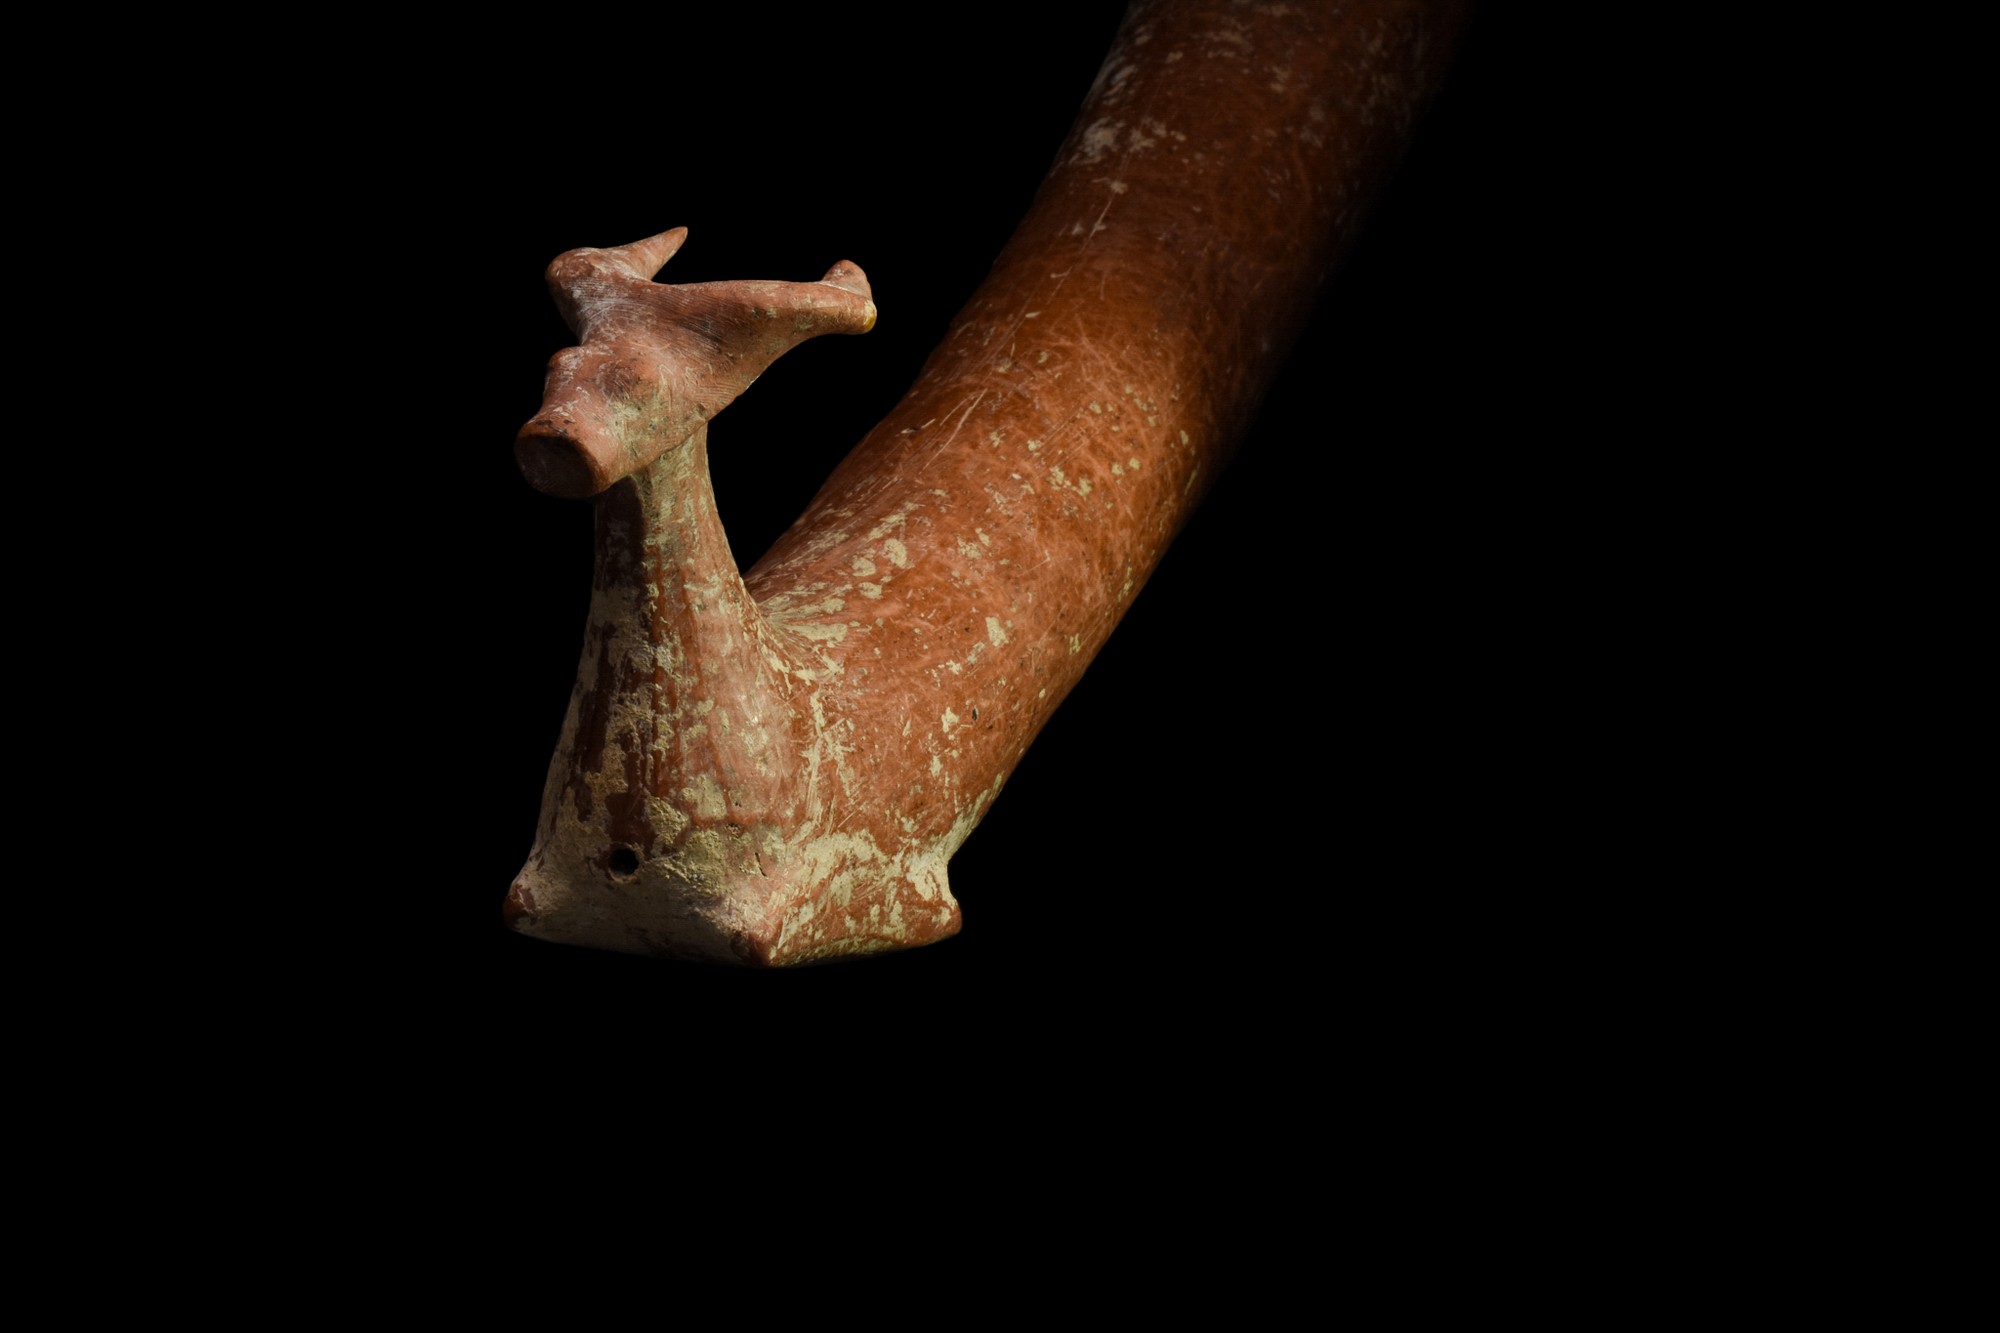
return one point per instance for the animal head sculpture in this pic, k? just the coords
(655, 363)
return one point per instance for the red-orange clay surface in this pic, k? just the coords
(776, 768)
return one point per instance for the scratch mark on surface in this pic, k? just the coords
(959, 427)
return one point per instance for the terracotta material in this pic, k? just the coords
(776, 768)
(657, 362)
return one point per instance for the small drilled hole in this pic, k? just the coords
(624, 862)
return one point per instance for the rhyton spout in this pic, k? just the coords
(776, 767)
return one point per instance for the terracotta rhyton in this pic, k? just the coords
(776, 767)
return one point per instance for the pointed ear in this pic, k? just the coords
(644, 259)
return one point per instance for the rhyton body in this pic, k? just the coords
(776, 767)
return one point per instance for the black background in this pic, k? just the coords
(1366, 567)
